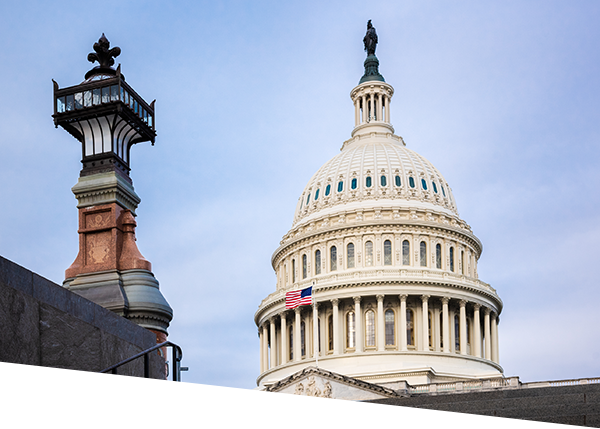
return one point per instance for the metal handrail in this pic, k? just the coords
(177, 356)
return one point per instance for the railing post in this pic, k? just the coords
(146, 366)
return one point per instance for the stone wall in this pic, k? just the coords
(572, 405)
(44, 324)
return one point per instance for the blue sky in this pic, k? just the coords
(503, 97)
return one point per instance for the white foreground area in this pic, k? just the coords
(55, 397)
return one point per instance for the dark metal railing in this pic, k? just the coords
(177, 356)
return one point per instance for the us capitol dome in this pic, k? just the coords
(393, 268)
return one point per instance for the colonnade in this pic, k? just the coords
(402, 323)
(371, 106)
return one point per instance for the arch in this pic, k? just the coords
(350, 330)
(423, 253)
(438, 256)
(350, 255)
(333, 258)
(387, 252)
(317, 262)
(370, 328)
(390, 324)
(369, 253)
(405, 252)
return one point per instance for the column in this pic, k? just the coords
(284, 339)
(487, 334)
(477, 329)
(446, 324)
(425, 324)
(297, 321)
(265, 347)
(463, 327)
(364, 109)
(261, 340)
(273, 347)
(380, 107)
(380, 324)
(403, 346)
(387, 109)
(370, 112)
(315, 330)
(358, 320)
(336, 328)
(494, 329)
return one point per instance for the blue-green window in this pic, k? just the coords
(317, 194)
(411, 182)
(368, 182)
(443, 192)
(354, 183)
(434, 187)
(383, 181)
(398, 182)
(308, 198)
(424, 184)
(340, 186)
(327, 190)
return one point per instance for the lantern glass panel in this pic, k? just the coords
(105, 94)
(87, 98)
(60, 105)
(78, 100)
(69, 102)
(96, 97)
(114, 93)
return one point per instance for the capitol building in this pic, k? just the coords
(393, 268)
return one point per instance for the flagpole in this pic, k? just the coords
(315, 326)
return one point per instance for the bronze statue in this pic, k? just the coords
(370, 39)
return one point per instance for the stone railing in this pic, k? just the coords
(494, 383)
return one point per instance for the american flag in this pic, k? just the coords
(298, 297)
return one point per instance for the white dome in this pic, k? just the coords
(374, 170)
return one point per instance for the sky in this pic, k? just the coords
(503, 97)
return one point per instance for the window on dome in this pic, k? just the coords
(333, 258)
(350, 330)
(452, 259)
(302, 339)
(308, 199)
(423, 253)
(318, 262)
(442, 330)
(390, 337)
(317, 195)
(291, 342)
(424, 184)
(456, 334)
(304, 266)
(340, 186)
(398, 181)
(350, 255)
(327, 190)
(369, 253)
(405, 252)
(354, 183)
(387, 252)
(462, 262)
(411, 182)
(368, 182)
(443, 192)
(370, 328)
(438, 256)
(410, 327)
(301, 202)
(383, 181)
(434, 187)
(430, 329)
(293, 271)
(330, 333)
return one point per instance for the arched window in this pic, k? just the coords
(340, 186)
(330, 332)
(405, 252)
(430, 329)
(291, 342)
(387, 252)
(463, 263)
(333, 258)
(443, 192)
(304, 266)
(423, 253)
(424, 184)
(442, 330)
(369, 253)
(398, 181)
(302, 339)
(317, 194)
(390, 337)
(293, 271)
(469, 336)
(456, 334)
(438, 256)
(411, 182)
(370, 328)
(327, 190)
(452, 259)
(410, 327)
(317, 262)
(368, 182)
(354, 183)
(350, 330)
(350, 255)
(383, 181)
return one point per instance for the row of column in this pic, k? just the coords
(274, 347)
(366, 103)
